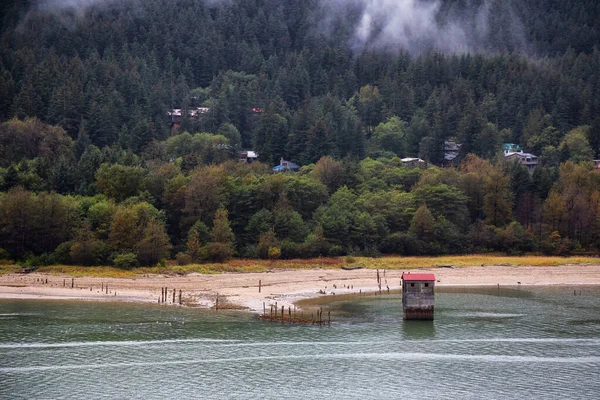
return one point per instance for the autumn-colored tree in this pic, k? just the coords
(155, 244)
(194, 246)
(220, 248)
(128, 225)
(87, 249)
(204, 194)
(423, 223)
(329, 172)
(266, 241)
(31, 138)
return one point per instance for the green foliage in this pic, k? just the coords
(31, 138)
(87, 249)
(119, 181)
(423, 223)
(183, 259)
(90, 164)
(154, 245)
(218, 251)
(390, 136)
(576, 141)
(126, 261)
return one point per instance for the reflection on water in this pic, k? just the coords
(516, 344)
(418, 329)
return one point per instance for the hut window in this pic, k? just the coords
(412, 285)
(427, 285)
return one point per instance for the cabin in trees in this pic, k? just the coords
(451, 151)
(413, 162)
(285, 165)
(515, 152)
(527, 159)
(247, 156)
(597, 164)
(418, 296)
(176, 115)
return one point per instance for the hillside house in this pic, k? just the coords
(247, 156)
(285, 165)
(515, 152)
(176, 116)
(451, 152)
(413, 162)
(527, 159)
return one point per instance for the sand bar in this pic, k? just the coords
(282, 286)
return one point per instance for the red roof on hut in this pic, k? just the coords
(418, 277)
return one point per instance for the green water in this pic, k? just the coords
(519, 344)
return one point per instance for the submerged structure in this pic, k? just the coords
(418, 296)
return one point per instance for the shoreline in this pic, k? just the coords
(240, 291)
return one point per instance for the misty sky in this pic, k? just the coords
(410, 25)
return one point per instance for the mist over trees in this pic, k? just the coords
(92, 173)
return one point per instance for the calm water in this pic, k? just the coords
(521, 344)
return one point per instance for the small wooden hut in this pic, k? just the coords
(418, 296)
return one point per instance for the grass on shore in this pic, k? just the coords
(243, 265)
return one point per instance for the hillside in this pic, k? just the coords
(95, 163)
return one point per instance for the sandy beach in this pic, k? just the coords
(241, 290)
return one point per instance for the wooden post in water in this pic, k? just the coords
(329, 317)
(64, 282)
(72, 283)
(259, 285)
(321, 316)
(217, 302)
(102, 290)
(179, 296)
(290, 314)
(106, 288)
(174, 290)
(264, 308)
(282, 309)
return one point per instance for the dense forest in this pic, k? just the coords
(93, 170)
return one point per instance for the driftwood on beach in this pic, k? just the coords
(352, 268)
